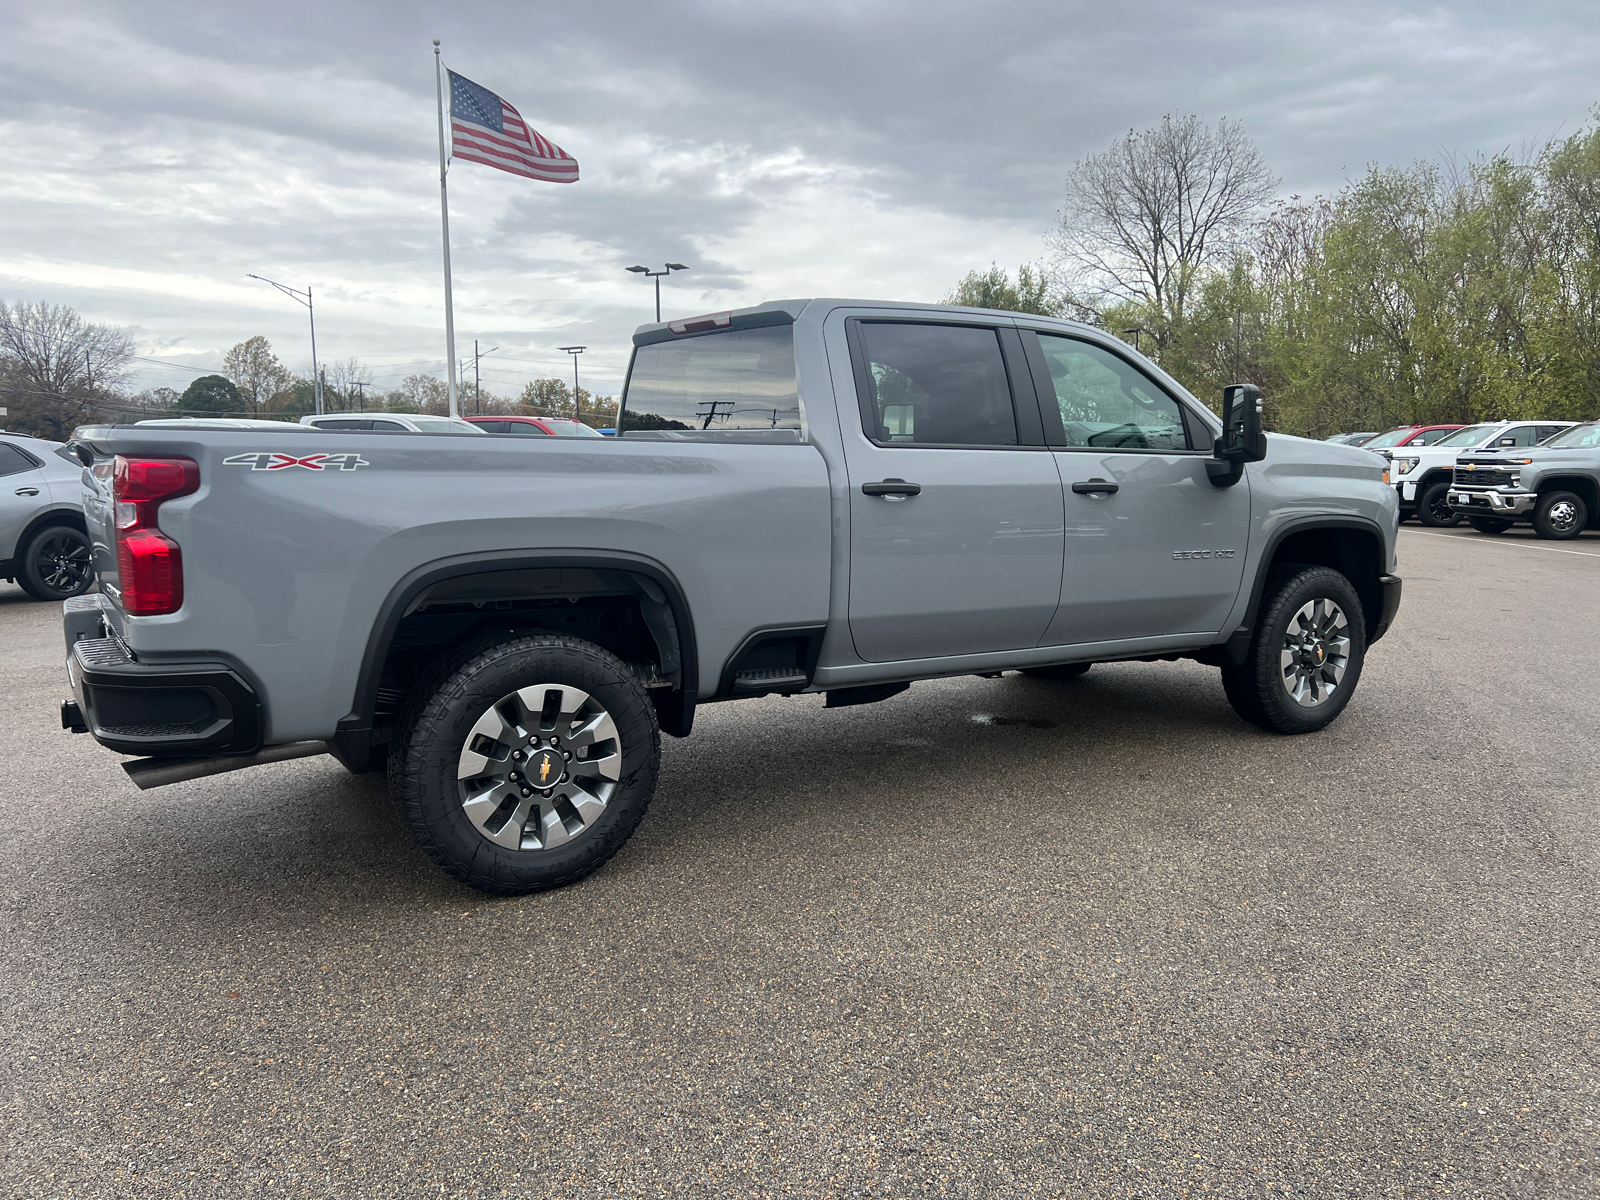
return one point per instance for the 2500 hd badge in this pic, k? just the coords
(1202, 554)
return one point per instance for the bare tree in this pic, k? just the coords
(57, 366)
(347, 381)
(255, 370)
(1142, 218)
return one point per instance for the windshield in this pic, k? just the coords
(570, 428)
(1470, 436)
(443, 425)
(1579, 435)
(1393, 438)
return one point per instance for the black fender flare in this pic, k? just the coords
(1232, 652)
(351, 743)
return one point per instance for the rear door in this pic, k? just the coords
(23, 492)
(1153, 549)
(955, 503)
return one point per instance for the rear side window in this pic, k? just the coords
(389, 425)
(525, 428)
(742, 379)
(572, 429)
(343, 423)
(13, 460)
(1108, 403)
(935, 385)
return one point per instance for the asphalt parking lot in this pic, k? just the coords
(991, 937)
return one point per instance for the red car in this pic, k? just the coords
(535, 426)
(1406, 435)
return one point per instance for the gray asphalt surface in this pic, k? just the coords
(989, 938)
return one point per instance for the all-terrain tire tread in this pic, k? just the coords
(448, 682)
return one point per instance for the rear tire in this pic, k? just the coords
(1489, 524)
(1433, 506)
(499, 713)
(1064, 671)
(1305, 655)
(1560, 516)
(56, 564)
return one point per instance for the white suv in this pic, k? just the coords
(1421, 474)
(393, 422)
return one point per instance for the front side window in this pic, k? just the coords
(935, 385)
(1106, 402)
(573, 429)
(1523, 435)
(742, 379)
(1431, 436)
(524, 428)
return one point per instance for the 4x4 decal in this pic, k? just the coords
(274, 461)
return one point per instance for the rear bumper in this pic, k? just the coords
(1499, 504)
(189, 709)
(1387, 610)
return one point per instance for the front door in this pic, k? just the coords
(955, 523)
(1153, 549)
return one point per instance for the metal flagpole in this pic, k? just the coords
(444, 220)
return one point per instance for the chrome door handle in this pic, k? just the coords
(892, 489)
(27, 491)
(1091, 486)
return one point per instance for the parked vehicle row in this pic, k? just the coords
(1553, 485)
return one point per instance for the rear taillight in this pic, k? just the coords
(149, 563)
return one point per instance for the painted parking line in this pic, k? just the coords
(1480, 539)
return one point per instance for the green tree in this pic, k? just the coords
(993, 289)
(256, 373)
(210, 396)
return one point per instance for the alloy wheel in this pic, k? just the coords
(1316, 651)
(539, 767)
(62, 561)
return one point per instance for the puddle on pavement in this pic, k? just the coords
(1028, 722)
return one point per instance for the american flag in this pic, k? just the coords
(485, 129)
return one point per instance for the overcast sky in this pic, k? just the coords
(155, 153)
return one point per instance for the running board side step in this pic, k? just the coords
(150, 773)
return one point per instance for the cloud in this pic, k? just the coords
(159, 151)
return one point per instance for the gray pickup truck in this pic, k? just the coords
(825, 496)
(1555, 486)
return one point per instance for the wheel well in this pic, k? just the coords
(1435, 475)
(1579, 484)
(637, 614)
(1357, 554)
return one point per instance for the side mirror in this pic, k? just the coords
(1242, 440)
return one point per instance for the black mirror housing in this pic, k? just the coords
(1242, 440)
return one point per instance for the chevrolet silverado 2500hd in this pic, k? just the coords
(1555, 485)
(809, 496)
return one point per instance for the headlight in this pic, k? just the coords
(1404, 466)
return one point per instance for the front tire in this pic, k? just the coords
(1433, 506)
(56, 563)
(1489, 524)
(1560, 516)
(526, 764)
(1306, 653)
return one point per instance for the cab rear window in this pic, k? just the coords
(738, 381)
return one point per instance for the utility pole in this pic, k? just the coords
(360, 386)
(477, 375)
(300, 297)
(577, 404)
(657, 276)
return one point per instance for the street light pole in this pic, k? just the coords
(577, 404)
(657, 276)
(301, 298)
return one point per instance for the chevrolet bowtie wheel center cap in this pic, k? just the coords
(539, 767)
(1316, 651)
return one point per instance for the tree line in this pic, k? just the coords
(58, 371)
(1454, 291)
